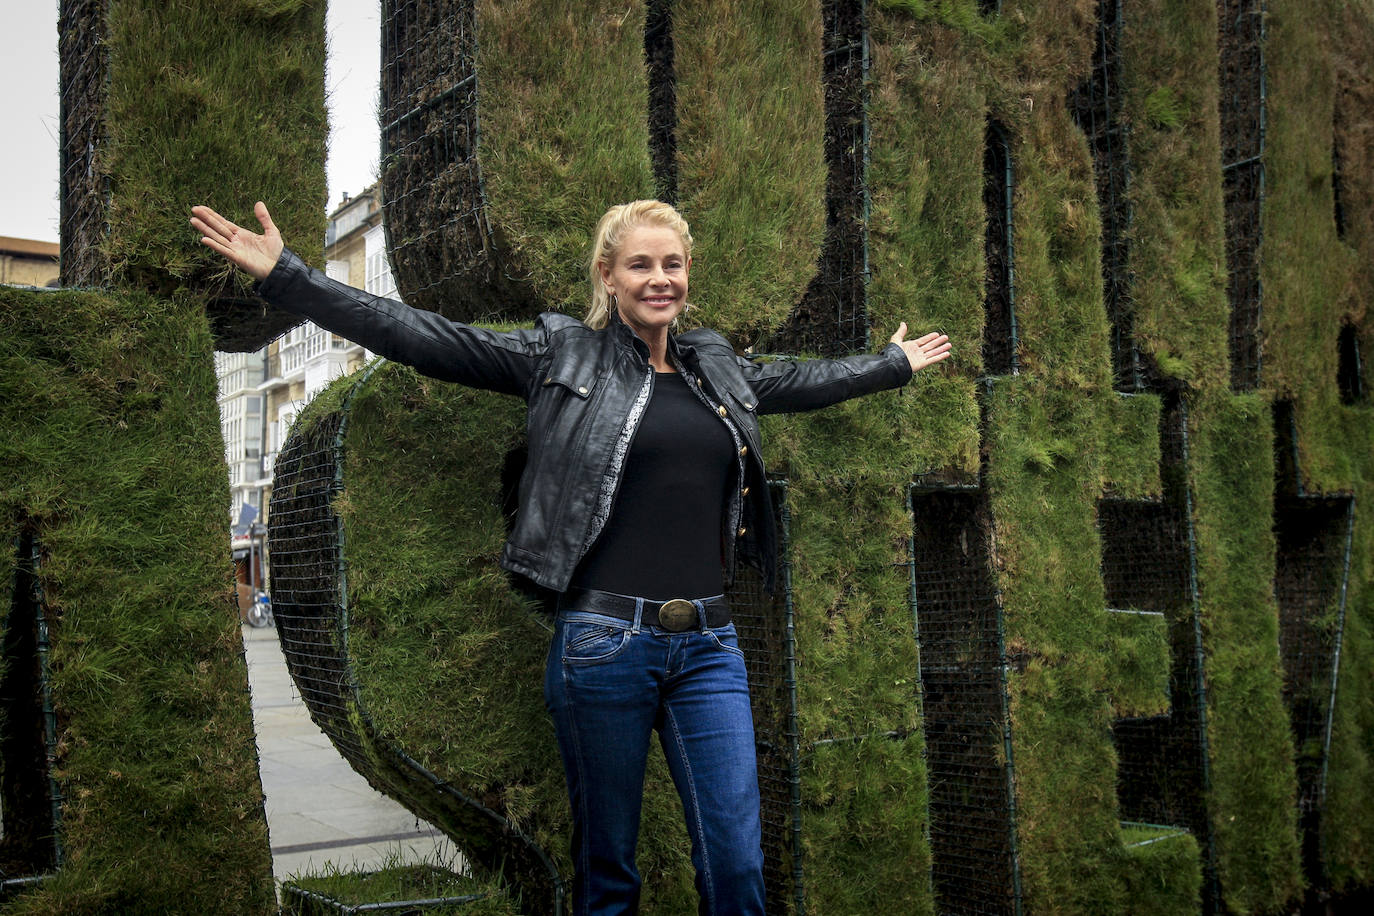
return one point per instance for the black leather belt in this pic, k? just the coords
(674, 615)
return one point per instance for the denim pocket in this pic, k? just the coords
(592, 642)
(726, 638)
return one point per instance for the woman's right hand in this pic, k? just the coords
(254, 254)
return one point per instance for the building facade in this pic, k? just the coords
(261, 393)
(26, 262)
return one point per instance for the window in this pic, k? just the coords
(336, 270)
(379, 280)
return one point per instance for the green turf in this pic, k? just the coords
(156, 762)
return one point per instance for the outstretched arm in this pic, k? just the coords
(438, 347)
(788, 386)
(253, 253)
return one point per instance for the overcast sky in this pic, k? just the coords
(28, 66)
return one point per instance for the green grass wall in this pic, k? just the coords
(1030, 457)
(1316, 278)
(166, 105)
(115, 488)
(500, 141)
(154, 761)
(1039, 450)
(749, 140)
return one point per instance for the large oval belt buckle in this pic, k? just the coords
(677, 615)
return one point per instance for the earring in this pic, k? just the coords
(614, 302)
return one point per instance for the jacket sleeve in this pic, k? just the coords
(787, 386)
(433, 344)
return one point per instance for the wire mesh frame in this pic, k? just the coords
(11, 887)
(1096, 106)
(310, 607)
(1349, 365)
(956, 607)
(1145, 567)
(1241, 27)
(767, 635)
(1311, 573)
(85, 188)
(660, 61)
(30, 637)
(1314, 535)
(444, 250)
(999, 296)
(298, 901)
(1149, 563)
(832, 317)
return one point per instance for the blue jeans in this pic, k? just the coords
(607, 684)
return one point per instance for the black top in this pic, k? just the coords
(663, 537)
(555, 366)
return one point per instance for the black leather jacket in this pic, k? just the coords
(586, 391)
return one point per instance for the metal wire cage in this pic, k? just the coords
(30, 796)
(999, 295)
(81, 28)
(434, 883)
(1341, 106)
(1350, 364)
(832, 317)
(1243, 99)
(765, 626)
(1314, 533)
(445, 253)
(1096, 106)
(974, 863)
(660, 62)
(1149, 566)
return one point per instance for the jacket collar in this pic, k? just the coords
(623, 336)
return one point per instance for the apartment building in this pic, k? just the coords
(261, 393)
(240, 421)
(27, 262)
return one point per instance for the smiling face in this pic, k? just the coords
(648, 277)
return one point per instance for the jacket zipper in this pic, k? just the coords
(736, 510)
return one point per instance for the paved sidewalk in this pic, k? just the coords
(319, 811)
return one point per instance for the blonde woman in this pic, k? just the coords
(643, 488)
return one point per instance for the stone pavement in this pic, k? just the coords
(320, 813)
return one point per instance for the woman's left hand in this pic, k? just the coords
(924, 350)
(255, 254)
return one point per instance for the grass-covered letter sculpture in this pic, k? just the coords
(1079, 625)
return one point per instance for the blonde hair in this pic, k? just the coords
(610, 233)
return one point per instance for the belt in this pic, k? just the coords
(673, 615)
